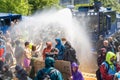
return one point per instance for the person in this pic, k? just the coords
(6, 73)
(9, 52)
(118, 55)
(53, 53)
(70, 54)
(107, 46)
(27, 57)
(19, 53)
(100, 60)
(101, 56)
(47, 49)
(2, 54)
(2, 36)
(65, 42)
(76, 74)
(7, 35)
(99, 43)
(109, 67)
(21, 74)
(111, 44)
(34, 51)
(49, 70)
(60, 47)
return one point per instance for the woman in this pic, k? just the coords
(76, 74)
(27, 57)
(61, 48)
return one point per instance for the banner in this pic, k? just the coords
(63, 66)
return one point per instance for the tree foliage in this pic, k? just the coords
(111, 3)
(14, 6)
(25, 7)
(41, 4)
(106, 3)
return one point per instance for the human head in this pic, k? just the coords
(74, 67)
(58, 41)
(33, 48)
(110, 39)
(49, 44)
(49, 62)
(101, 37)
(105, 42)
(64, 40)
(103, 51)
(17, 42)
(110, 57)
(27, 44)
(18, 68)
(119, 48)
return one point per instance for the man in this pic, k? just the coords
(99, 43)
(18, 52)
(109, 67)
(111, 44)
(107, 46)
(49, 72)
(65, 42)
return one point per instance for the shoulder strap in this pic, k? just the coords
(51, 71)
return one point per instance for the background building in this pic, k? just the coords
(73, 2)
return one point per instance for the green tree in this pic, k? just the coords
(15, 6)
(41, 4)
(111, 3)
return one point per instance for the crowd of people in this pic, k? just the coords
(19, 53)
(108, 59)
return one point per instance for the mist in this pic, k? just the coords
(51, 24)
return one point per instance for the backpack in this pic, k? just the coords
(98, 73)
(46, 75)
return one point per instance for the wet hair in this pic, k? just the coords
(33, 47)
(26, 43)
(17, 42)
(63, 39)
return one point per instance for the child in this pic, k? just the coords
(76, 74)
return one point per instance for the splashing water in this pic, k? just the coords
(48, 25)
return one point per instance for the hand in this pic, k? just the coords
(117, 75)
(1, 59)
